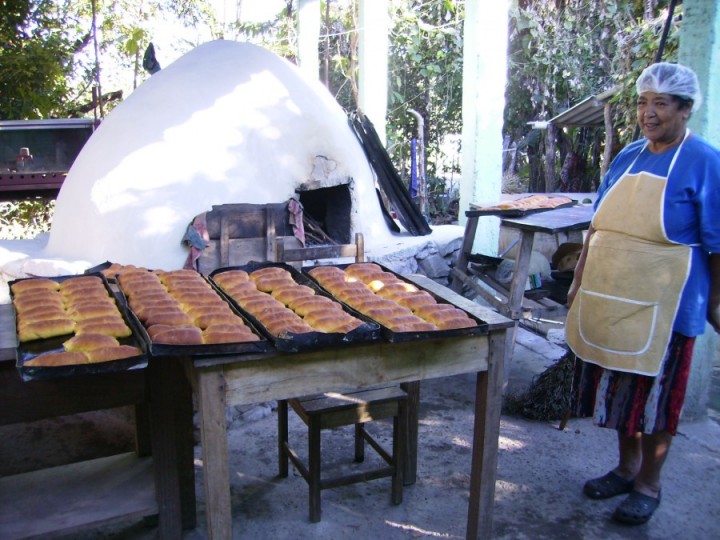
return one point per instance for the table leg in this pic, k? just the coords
(520, 274)
(211, 403)
(411, 441)
(456, 284)
(172, 446)
(486, 431)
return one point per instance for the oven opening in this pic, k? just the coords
(326, 215)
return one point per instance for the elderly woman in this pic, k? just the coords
(647, 280)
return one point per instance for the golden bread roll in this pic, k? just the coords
(91, 303)
(81, 281)
(430, 310)
(242, 290)
(41, 313)
(360, 268)
(456, 322)
(384, 314)
(415, 300)
(231, 277)
(155, 329)
(209, 319)
(143, 312)
(277, 314)
(303, 306)
(401, 323)
(86, 342)
(171, 317)
(325, 271)
(373, 301)
(54, 359)
(91, 311)
(292, 292)
(34, 284)
(116, 352)
(45, 329)
(316, 315)
(286, 328)
(423, 326)
(187, 335)
(257, 304)
(268, 271)
(228, 326)
(270, 283)
(38, 297)
(204, 309)
(236, 334)
(111, 326)
(332, 323)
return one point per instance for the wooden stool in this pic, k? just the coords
(331, 410)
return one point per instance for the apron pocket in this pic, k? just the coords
(616, 324)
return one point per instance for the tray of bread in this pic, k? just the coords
(293, 312)
(111, 270)
(181, 313)
(73, 325)
(522, 206)
(403, 310)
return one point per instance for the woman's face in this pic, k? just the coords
(662, 118)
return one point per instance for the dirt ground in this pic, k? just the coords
(539, 477)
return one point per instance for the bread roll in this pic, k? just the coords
(303, 306)
(34, 284)
(231, 277)
(33, 299)
(115, 352)
(45, 329)
(362, 268)
(170, 317)
(292, 292)
(41, 313)
(429, 310)
(209, 319)
(179, 336)
(89, 341)
(314, 316)
(235, 334)
(81, 281)
(269, 271)
(54, 359)
(285, 328)
(91, 311)
(270, 283)
(320, 272)
(416, 300)
(110, 326)
(456, 322)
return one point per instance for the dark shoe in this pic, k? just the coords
(607, 486)
(636, 509)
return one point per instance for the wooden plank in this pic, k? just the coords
(286, 376)
(555, 221)
(72, 498)
(27, 401)
(210, 385)
(486, 434)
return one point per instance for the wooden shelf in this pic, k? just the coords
(71, 498)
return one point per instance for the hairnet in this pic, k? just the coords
(673, 79)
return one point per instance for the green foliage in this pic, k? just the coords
(25, 219)
(35, 58)
(562, 52)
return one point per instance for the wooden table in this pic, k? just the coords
(223, 381)
(78, 496)
(510, 302)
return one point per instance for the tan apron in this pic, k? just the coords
(623, 313)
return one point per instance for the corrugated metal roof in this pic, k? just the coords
(587, 113)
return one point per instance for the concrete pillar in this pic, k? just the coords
(700, 50)
(374, 29)
(308, 20)
(484, 76)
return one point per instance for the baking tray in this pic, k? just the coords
(28, 350)
(367, 332)
(214, 349)
(482, 327)
(476, 211)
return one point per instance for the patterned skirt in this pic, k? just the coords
(631, 403)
